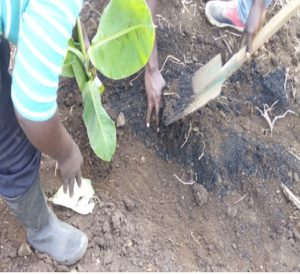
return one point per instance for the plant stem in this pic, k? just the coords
(83, 47)
(80, 37)
(82, 59)
(77, 53)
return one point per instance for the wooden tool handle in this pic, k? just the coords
(288, 11)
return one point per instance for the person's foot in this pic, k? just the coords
(224, 14)
(62, 242)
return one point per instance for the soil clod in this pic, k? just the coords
(231, 211)
(121, 120)
(129, 204)
(200, 194)
(24, 250)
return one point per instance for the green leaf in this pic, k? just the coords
(67, 69)
(100, 128)
(74, 68)
(79, 72)
(124, 40)
(74, 65)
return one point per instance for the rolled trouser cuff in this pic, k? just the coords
(244, 6)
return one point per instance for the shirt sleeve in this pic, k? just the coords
(45, 29)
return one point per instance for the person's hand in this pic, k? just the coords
(70, 169)
(154, 83)
(254, 23)
(50, 137)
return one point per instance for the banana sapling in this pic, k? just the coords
(121, 47)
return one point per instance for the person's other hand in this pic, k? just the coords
(254, 23)
(70, 169)
(154, 83)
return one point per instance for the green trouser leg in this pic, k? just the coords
(62, 242)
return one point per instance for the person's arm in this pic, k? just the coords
(51, 138)
(154, 82)
(42, 45)
(254, 22)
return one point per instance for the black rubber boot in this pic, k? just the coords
(62, 242)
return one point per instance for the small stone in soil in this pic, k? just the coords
(24, 250)
(106, 227)
(116, 220)
(296, 234)
(108, 258)
(232, 211)
(129, 243)
(83, 222)
(120, 132)
(251, 202)
(296, 177)
(129, 204)
(200, 194)
(143, 160)
(219, 180)
(121, 120)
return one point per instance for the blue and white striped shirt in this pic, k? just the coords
(41, 30)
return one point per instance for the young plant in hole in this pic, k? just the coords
(121, 47)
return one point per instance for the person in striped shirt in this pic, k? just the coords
(29, 120)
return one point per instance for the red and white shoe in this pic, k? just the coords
(224, 14)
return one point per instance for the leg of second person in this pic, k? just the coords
(233, 14)
(244, 6)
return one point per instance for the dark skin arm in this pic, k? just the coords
(154, 82)
(51, 138)
(254, 23)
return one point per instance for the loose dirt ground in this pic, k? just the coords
(235, 217)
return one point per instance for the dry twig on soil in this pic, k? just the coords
(187, 136)
(160, 17)
(220, 37)
(230, 51)
(172, 94)
(267, 110)
(295, 155)
(232, 33)
(173, 59)
(285, 81)
(241, 199)
(289, 194)
(191, 182)
(135, 78)
(184, 4)
(194, 238)
(202, 154)
(195, 10)
(294, 91)
(56, 168)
